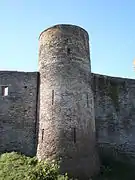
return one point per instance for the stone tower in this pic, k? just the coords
(66, 115)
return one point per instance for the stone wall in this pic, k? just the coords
(66, 124)
(66, 120)
(18, 112)
(115, 116)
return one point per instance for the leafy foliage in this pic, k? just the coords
(14, 166)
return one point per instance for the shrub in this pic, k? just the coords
(14, 166)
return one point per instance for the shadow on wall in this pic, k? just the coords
(37, 113)
(113, 168)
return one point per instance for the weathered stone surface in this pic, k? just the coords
(115, 116)
(66, 117)
(62, 112)
(18, 112)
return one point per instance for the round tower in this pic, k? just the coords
(66, 106)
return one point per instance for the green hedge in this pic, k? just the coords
(14, 166)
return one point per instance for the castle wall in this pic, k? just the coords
(62, 113)
(115, 116)
(18, 112)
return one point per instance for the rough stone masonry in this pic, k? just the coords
(66, 117)
(65, 111)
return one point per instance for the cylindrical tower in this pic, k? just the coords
(66, 107)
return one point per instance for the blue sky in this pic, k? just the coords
(110, 24)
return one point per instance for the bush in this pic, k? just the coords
(14, 166)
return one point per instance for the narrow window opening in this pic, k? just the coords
(66, 40)
(52, 97)
(74, 135)
(87, 100)
(68, 51)
(42, 135)
(4, 90)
